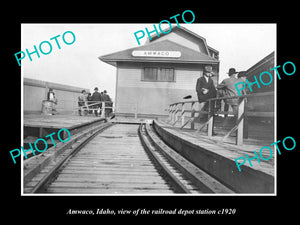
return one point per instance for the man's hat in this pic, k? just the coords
(208, 68)
(231, 71)
(95, 89)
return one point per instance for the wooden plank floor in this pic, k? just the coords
(227, 149)
(57, 121)
(114, 162)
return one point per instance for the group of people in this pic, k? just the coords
(94, 101)
(206, 89)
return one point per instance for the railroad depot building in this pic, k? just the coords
(161, 72)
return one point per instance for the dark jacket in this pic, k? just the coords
(96, 96)
(105, 97)
(202, 83)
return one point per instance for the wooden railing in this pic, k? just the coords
(178, 112)
(95, 105)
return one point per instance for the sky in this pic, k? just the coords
(240, 46)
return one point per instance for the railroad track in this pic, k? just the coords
(116, 159)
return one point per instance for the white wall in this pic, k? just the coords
(153, 97)
(35, 91)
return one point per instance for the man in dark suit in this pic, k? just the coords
(108, 103)
(206, 90)
(96, 97)
(205, 87)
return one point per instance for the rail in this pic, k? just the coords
(54, 161)
(178, 112)
(61, 170)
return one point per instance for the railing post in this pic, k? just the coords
(182, 114)
(240, 127)
(192, 116)
(210, 120)
(103, 109)
(246, 127)
(176, 116)
(174, 113)
(170, 113)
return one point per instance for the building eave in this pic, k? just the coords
(188, 55)
(114, 62)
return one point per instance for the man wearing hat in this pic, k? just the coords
(82, 102)
(227, 89)
(108, 103)
(96, 97)
(206, 90)
(205, 87)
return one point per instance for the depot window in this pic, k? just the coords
(158, 74)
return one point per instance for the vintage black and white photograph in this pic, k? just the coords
(149, 109)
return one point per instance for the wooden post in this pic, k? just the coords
(176, 116)
(182, 115)
(173, 114)
(41, 132)
(210, 120)
(246, 126)
(103, 109)
(240, 127)
(192, 117)
(170, 113)
(64, 135)
(210, 126)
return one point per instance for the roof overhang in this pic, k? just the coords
(186, 55)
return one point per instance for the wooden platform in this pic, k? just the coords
(57, 121)
(210, 154)
(217, 158)
(41, 125)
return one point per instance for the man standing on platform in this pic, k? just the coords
(227, 89)
(82, 102)
(96, 97)
(205, 88)
(108, 103)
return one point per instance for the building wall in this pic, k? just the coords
(264, 103)
(143, 97)
(263, 65)
(35, 91)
